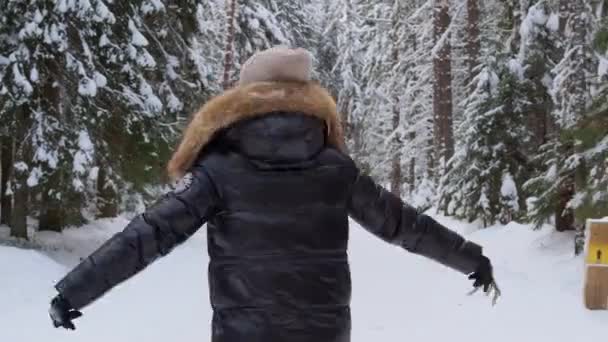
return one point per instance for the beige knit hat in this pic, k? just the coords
(279, 63)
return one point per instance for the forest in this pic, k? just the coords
(490, 111)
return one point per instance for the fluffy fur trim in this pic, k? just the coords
(251, 100)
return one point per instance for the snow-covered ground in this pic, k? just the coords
(397, 296)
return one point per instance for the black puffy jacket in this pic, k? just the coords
(276, 199)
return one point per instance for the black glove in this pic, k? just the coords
(62, 313)
(484, 278)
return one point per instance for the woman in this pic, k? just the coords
(263, 165)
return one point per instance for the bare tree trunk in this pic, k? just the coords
(6, 166)
(396, 177)
(19, 178)
(396, 173)
(412, 168)
(413, 42)
(229, 51)
(19, 212)
(564, 216)
(473, 44)
(442, 86)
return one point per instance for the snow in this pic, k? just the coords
(62, 6)
(87, 87)
(152, 103)
(83, 157)
(602, 68)
(173, 103)
(38, 16)
(508, 190)
(103, 40)
(104, 14)
(551, 174)
(34, 74)
(34, 177)
(54, 35)
(84, 5)
(553, 22)
(21, 80)
(576, 201)
(151, 6)
(396, 296)
(516, 68)
(137, 38)
(100, 79)
(20, 166)
(531, 26)
(44, 155)
(145, 59)
(537, 14)
(31, 29)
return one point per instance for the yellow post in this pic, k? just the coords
(596, 265)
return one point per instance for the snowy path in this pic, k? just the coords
(397, 297)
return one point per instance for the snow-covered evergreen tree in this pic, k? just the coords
(95, 90)
(554, 192)
(345, 24)
(486, 175)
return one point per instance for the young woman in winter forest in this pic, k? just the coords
(263, 164)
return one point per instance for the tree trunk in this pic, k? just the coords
(412, 168)
(473, 44)
(19, 212)
(107, 201)
(229, 51)
(58, 203)
(564, 216)
(6, 165)
(19, 178)
(442, 86)
(52, 215)
(396, 177)
(396, 173)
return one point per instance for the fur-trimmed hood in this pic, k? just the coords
(256, 99)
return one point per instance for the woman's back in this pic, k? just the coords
(278, 242)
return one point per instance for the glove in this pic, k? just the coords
(62, 313)
(484, 278)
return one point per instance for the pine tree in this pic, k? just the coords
(485, 177)
(591, 133)
(554, 190)
(96, 92)
(348, 68)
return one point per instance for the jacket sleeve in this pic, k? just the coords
(386, 216)
(163, 226)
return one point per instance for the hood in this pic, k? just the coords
(251, 101)
(276, 138)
